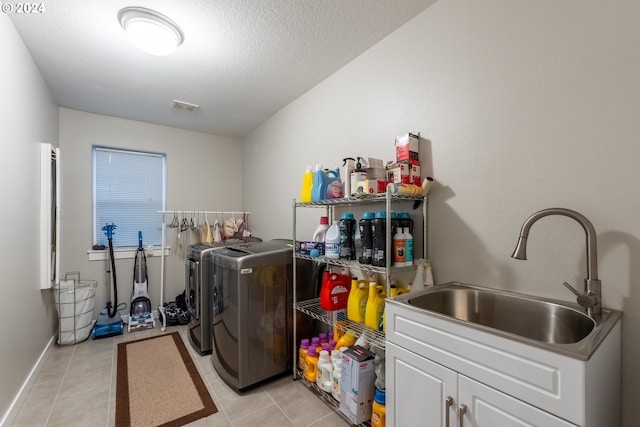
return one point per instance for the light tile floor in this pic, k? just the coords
(76, 387)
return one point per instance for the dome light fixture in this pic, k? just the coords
(150, 31)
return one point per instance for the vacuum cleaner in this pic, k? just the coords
(109, 322)
(141, 316)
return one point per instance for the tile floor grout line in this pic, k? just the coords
(55, 398)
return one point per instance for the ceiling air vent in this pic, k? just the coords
(185, 106)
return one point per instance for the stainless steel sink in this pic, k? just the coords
(543, 322)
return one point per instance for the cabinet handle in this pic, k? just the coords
(448, 402)
(462, 409)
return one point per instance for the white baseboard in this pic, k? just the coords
(12, 412)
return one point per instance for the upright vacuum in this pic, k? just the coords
(141, 316)
(109, 322)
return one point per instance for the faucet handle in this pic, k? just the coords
(586, 300)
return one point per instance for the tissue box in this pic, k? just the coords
(399, 173)
(357, 384)
(372, 186)
(414, 175)
(407, 147)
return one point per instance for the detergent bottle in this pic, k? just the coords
(319, 184)
(325, 371)
(379, 409)
(357, 300)
(332, 241)
(375, 306)
(332, 186)
(302, 353)
(339, 325)
(334, 294)
(307, 186)
(311, 370)
(347, 340)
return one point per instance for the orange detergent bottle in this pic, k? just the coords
(311, 370)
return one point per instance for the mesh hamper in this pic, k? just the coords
(74, 302)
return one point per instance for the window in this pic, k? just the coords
(128, 191)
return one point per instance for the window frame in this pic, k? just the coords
(96, 236)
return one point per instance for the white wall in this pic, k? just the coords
(28, 117)
(523, 106)
(203, 173)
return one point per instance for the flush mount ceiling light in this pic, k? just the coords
(150, 31)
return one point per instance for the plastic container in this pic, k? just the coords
(379, 409)
(347, 226)
(332, 186)
(325, 372)
(307, 186)
(399, 248)
(378, 228)
(375, 307)
(302, 353)
(358, 174)
(406, 221)
(334, 294)
(332, 241)
(319, 183)
(321, 230)
(336, 358)
(357, 301)
(335, 382)
(347, 340)
(366, 237)
(339, 325)
(408, 243)
(348, 163)
(311, 360)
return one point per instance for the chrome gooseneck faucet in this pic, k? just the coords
(591, 299)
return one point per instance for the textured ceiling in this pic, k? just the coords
(241, 61)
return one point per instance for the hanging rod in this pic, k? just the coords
(203, 212)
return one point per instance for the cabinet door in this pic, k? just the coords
(418, 389)
(488, 407)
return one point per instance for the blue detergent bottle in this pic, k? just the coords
(319, 184)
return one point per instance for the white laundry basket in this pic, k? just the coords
(74, 302)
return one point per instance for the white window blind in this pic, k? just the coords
(128, 191)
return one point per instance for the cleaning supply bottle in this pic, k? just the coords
(379, 409)
(375, 306)
(347, 226)
(319, 184)
(332, 241)
(357, 300)
(334, 294)
(348, 163)
(339, 325)
(311, 371)
(325, 372)
(347, 340)
(408, 243)
(302, 353)
(321, 230)
(332, 187)
(366, 237)
(358, 174)
(336, 377)
(399, 248)
(307, 186)
(428, 275)
(378, 228)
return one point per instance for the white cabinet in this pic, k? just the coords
(435, 366)
(421, 392)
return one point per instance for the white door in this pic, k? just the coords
(419, 391)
